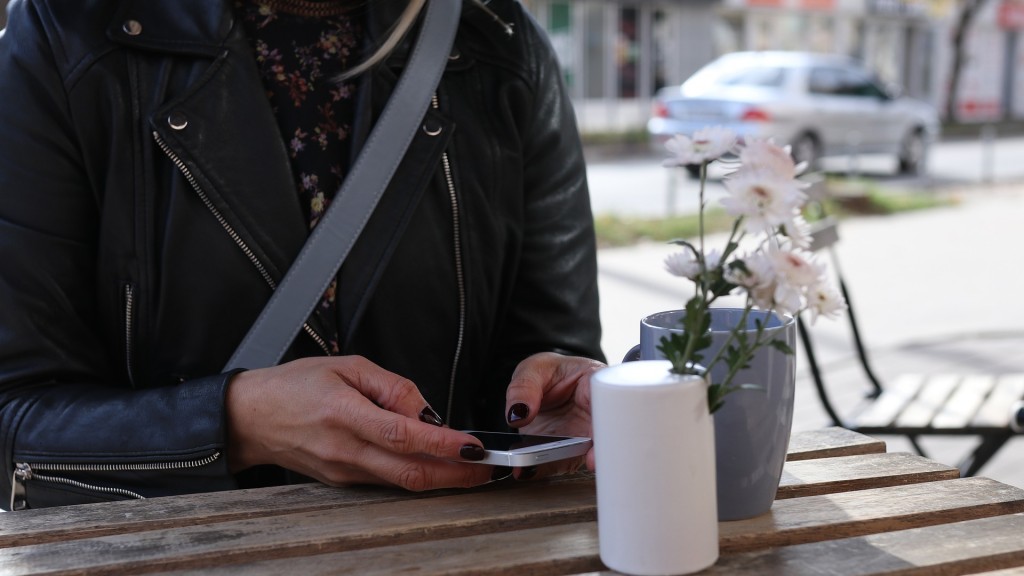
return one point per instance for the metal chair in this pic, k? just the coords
(989, 407)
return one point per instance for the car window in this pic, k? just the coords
(759, 76)
(838, 81)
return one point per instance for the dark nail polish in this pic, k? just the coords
(430, 417)
(527, 473)
(518, 412)
(500, 473)
(472, 452)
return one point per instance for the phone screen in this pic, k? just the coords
(512, 441)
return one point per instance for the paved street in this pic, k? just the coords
(936, 291)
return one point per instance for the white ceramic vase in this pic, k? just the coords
(655, 454)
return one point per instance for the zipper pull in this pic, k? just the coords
(19, 497)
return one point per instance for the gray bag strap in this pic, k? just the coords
(329, 243)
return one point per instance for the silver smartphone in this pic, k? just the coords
(513, 449)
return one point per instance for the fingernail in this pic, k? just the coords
(430, 417)
(472, 452)
(500, 473)
(527, 473)
(518, 412)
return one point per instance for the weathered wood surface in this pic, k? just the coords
(297, 537)
(899, 548)
(846, 514)
(830, 442)
(291, 535)
(91, 520)
(845, 473)
(856, 513)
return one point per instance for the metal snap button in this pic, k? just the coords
(177, 120)
(431, 129)
(132, 27)
(455, 55)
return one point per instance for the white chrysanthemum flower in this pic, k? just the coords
(706, 145)
(765, 200)
(795, 268)
(797, 230)
(824, 300)
(787, 299)
(762, 154)
(682, 264)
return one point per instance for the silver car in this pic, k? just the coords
(821, 105)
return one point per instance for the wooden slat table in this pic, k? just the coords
(845, 506)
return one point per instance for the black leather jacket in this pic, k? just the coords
(147, 209)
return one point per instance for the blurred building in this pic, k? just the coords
(617, 53)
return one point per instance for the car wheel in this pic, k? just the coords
(805, 149)
(913, 152)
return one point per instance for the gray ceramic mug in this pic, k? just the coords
(752, 429)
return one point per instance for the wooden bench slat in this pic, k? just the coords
(884, 410)
(995, 412)
(846, 523)
(849, 473)
(929, 400)
(964, 402)
(831, 442)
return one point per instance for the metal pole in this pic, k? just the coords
(988, 139)
(670, 191)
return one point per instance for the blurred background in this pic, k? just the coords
(912, 114)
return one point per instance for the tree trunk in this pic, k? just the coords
(968, 10)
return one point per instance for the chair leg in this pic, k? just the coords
(916, 445)
(990, 444)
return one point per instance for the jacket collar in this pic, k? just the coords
(198, 27)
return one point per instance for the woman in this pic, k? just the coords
(161, 165)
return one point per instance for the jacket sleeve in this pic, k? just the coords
(71, 427)
(554, 302)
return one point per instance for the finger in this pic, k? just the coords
(401, 434)
(527, 387)
(386, 389)
(419, 473)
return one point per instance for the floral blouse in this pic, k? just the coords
(301, 46)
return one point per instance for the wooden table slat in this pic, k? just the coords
(432, 520)
(931, 550)
(831, 516)
(831, 442)
(842, 474)
(573, 548)
(92, 520)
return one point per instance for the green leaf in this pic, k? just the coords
(782, 347)
(716, 397)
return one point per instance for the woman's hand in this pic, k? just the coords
(345, 420)
(550, 394)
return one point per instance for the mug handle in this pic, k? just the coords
(633, 354)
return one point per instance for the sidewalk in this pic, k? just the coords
(935, 291)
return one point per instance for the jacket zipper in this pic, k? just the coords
(460, 278)
(177, 161)
(25, 471)
(129, 331)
